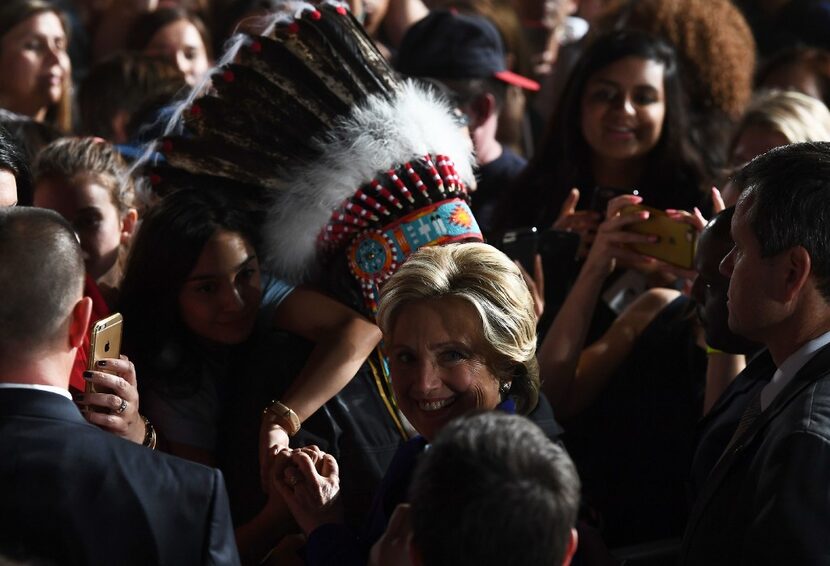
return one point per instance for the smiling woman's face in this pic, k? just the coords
(623, 108)
(438, 363)
(220, 298)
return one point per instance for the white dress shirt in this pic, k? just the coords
(791, 366)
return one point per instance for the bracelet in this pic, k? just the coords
(149, 434)
(283, 416)
(712, 351)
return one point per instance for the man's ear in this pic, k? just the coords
(573, 541)
(79, 322)
(799, 267)
(480, 109)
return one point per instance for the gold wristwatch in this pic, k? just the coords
(283, 416)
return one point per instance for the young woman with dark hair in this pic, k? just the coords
(199, 322)
(621, 123)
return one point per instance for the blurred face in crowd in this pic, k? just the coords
(623, 108)
(220, 298)
(754, 140)
(438, 363)
(36, 67)
(8, 188)
(710, 293)
(796, 76)
(86, 203)
(370, 13)
(181, 43)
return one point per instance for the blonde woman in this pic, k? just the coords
(774, 118)
(459, 332)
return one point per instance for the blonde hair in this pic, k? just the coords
(68, 158)
(796, 116)
(487, 279)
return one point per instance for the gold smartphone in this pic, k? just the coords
(676, 243)
(105, 342)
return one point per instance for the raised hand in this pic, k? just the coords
(114, 405)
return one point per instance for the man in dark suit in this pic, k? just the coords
(767, 499)
(69, 492)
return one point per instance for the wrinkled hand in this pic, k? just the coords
(535, 284)
(308, 480)
(115, 386)
(583, 222)
(609, 247)
(392, 549)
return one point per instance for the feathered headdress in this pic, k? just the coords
(349, 157)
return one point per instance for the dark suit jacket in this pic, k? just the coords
(74, 494)
(715, 429)
(768, 500)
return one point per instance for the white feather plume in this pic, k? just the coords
(378, 135)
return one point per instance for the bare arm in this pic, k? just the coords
(721, 369)
(600, 360)
(343, 338)
(400, 16)
(567, 385)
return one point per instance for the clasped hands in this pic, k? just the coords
(308, 481)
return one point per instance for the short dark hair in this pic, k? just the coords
(788, 193)
(465, 91)
(42, 277)
(13, 160)
(125, 82)
(496, 482)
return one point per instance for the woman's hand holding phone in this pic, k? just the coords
(115, 402)
(610, 244)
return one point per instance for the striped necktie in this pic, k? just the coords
(750, 414)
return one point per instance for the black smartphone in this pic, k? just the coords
(558, 246)
(601, 195)
(522, 245)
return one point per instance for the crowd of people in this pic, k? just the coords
(415, 282)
